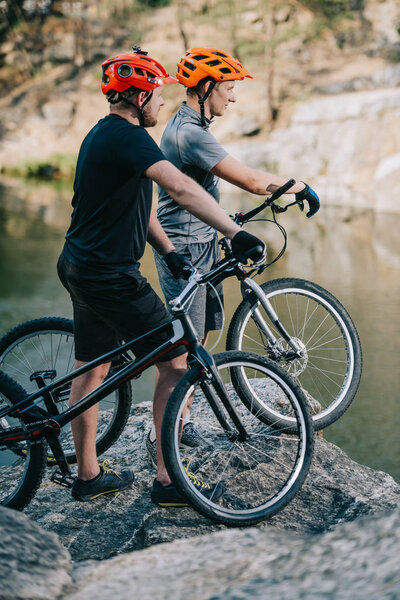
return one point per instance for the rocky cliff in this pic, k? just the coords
(316, 547)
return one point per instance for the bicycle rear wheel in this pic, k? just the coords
(23, 463)
(251, 479)
(330, 362)
(48, 344)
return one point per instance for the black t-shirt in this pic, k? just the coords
(112, 198)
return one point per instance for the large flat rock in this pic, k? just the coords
(336, 490)
(358, 560)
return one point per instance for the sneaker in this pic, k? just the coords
(167, 495)
(152, 450)
(191, 438)
(107, 481)
(209, 490)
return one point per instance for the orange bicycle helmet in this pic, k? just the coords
(199, 63)
(133, 70)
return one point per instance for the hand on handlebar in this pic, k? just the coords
(245, 245)
(312, 199)
(179, 265)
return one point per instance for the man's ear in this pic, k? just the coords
(140, 98)
(205, 87)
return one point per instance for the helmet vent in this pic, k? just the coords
(199, 57)
(124, 70)
(139, 71)
(184, 74)
(225, 70)
(213, 63)
(220, 54)
(189, 65)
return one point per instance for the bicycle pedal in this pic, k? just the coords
(64, 479)
(49, 374)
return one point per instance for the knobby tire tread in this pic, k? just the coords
(33, 476)
(124, 392)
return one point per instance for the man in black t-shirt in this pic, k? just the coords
(99, 264)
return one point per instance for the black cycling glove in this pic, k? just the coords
(312, 199)
(179, 265)
(245, 245)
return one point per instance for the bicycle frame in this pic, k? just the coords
(183, 333)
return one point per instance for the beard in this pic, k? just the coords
(149, 120)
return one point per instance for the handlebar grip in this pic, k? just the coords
(282, 190)
(254, 252)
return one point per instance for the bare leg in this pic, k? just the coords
(168, 375)
(84, 427)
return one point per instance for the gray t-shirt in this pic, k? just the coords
(195, 151)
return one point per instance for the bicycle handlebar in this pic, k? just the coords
(241, 218)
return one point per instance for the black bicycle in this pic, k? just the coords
(295, 322)
(259, 462)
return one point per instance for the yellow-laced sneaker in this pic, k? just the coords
(212, 491)
(168, 496)
(107, 481)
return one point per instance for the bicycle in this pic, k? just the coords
(301, 326)
(258, 462)
(286, 319)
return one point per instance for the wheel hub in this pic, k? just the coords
(295, 363)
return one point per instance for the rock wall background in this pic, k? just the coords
(337, 95)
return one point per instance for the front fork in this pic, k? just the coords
(249, 284)
(214, 390)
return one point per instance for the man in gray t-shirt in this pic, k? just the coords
(195, 151)
(209, 76)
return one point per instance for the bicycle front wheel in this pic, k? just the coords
(22, 464)
(235, 479)
(330, 362)
(47, 344)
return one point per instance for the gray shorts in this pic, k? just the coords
(205, 310)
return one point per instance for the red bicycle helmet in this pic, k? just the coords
(133, 70)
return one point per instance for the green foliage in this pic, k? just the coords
(56, 167)
(154, 3)
(332, 9)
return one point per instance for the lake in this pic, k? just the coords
(355, 254)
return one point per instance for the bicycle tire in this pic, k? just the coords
(258, 476)
(21, 467)
(330, 393)
(23, 350)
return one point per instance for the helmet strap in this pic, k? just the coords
(141, 109)
(201, 101)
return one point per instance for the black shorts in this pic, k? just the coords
(110, 308)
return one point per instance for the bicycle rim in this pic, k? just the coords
(326, 369)
(52, 349)
(250, 480)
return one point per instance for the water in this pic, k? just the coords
(354, 254)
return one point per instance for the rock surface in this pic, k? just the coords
(336, 490)
(338, 143)
(356, 561)
(33, 563)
